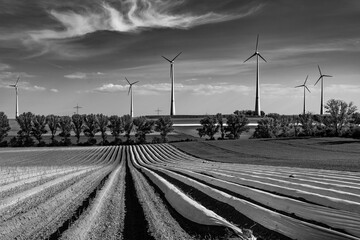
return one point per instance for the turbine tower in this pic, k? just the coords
(322, 89)
(305, 87)
(172, 77)
(17, 102)
(131, 97)
(257, 98)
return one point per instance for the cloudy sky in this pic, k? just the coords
(79, 52)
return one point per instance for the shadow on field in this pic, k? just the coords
(338, 142)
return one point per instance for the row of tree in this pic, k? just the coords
(35, 126)
(235, 125)
(341, 120)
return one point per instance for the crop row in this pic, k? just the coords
(35, 205)
(159, 192)
(297, 203)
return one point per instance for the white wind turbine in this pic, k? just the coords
(322, 90)
(172, 77)
(131, 97)
(257, 98)
(305, 87)
(17, 102)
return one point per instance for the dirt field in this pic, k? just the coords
(319, 153)
(155, 191)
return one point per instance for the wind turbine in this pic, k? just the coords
(257, 98)
(322, 90)
(17, 102)
(172, 104)
(305, 87)
(131, 101)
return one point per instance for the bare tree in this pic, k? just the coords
(116, 127)
(236, 124)
(143, 127)
(209, 127)
(164, 125)
(4, 126)
(91, 127)
(340, 114)
(128, 124)
(53, 124)
(220, 120)
(38, 129)
(65, 128)
(77, 125)
(102, 122)
(25, 121)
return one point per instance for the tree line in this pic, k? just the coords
(341, 120)
(35, 126)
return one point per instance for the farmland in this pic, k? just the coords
(161, 192)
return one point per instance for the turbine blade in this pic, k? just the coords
(306, 79)
(166, 59)
(257, 43)
(127, 81)
(299, 86)
(262, 57)
(319, 70)
(327, 76)
(307, 89)
(129, 89)
(176, 56)
(134, 82)
(17, 80)
(250, 57)
(318, 80)
(12, 85)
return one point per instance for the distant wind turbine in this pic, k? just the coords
(322, 90)
(77, 108)
(305, 87)
(131, 97)
(17, 102)
(172, 77)
(257, 98)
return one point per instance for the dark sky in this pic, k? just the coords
(79, 52)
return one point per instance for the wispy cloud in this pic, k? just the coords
(155, 89)
(4, 66)
(343, 88)
(134, 16)
(54, 90)
(76, 75)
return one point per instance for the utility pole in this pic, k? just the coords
(158, 111)
(77, 108)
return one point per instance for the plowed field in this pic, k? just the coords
(160, 192)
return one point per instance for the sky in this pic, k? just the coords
(70, 53)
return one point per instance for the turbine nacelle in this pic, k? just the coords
(16, 84)
(130, 84)
(171, 61)
(256, 53)
(321, 75)
(304, 85)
